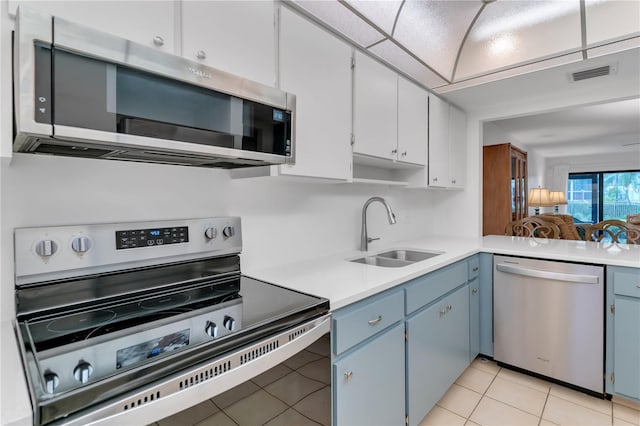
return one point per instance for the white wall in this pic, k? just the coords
(597, 163)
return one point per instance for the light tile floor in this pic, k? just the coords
(486, 394)
(297, 393)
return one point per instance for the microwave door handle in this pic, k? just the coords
(555, 276)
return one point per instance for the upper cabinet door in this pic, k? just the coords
(234, 36)
(457, 147)
(316, 67)
(413, 119)
(375, 109)
(148, 23)
(438, 142)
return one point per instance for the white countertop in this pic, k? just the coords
(343, 282)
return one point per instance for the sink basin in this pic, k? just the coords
(382, 261)
(409, 255)
(397, 258)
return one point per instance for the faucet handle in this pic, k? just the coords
(369, 239)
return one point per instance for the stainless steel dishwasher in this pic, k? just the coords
(549, 319)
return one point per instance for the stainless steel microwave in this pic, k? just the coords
(83, 93)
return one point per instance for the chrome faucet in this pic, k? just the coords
(364, 238)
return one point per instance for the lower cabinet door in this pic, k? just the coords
(368, 384)
(437, 351)
(627, 347)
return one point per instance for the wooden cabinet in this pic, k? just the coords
(447, 145)
(368, 383)
(148, 23)
(315, 66)
(437, 351)
(234, 36)
(375, 108)
(623, 332)
(413, 122)
(504, 187)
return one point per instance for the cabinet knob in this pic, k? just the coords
(449, 307)
(394, 151)
(453, 181)
(375, 321)
(201, 54)
(435, 179)
(348, 375)
(158, 41)
(404, 154)
(475, 269)
(474, 290)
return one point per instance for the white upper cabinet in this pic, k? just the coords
(438, 142)
(413, 127)
(234, 36)
(375, 109)
(457, 147)
(447, 144)
(145, 22)
(316, 67)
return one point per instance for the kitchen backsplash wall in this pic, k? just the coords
(283, 221)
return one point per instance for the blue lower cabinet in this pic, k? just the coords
(437, 351)
(369, 382)
(627, 346)
(623, 332)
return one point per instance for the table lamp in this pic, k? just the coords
(539, 197)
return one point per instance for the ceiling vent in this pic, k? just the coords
(594, 72)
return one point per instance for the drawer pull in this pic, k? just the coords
(348, 375)
(375, 321)
(638, 286)
(475, 269)
(474, 290)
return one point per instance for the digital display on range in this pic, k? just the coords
(151, 237)
(142, 351)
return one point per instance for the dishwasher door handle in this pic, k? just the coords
(556, 276)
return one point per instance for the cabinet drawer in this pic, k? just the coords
(428, 288)
(354, 324)
(626, 281)
(474, 267)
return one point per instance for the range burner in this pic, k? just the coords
(81, 321)
(164, 301)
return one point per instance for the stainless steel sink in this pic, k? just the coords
(409, 255)
(382, 261)
(396, 258)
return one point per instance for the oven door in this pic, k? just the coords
(191, 386)
(93, 94)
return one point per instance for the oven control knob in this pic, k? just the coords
(82, 372)
(211, 329)
(81, 244)
(51, 381)
(46, 248)
(210, 233)
(229, 323)
(229, 231)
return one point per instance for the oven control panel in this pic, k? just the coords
(136, 238)
(53, 253)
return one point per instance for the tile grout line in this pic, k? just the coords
(483, 395)
(544, 406)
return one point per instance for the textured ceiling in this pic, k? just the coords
(446, 44)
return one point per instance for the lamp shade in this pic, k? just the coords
(557, 198)
(539, 197)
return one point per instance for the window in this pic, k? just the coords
(597, 196)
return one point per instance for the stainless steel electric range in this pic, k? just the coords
(116, 322)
